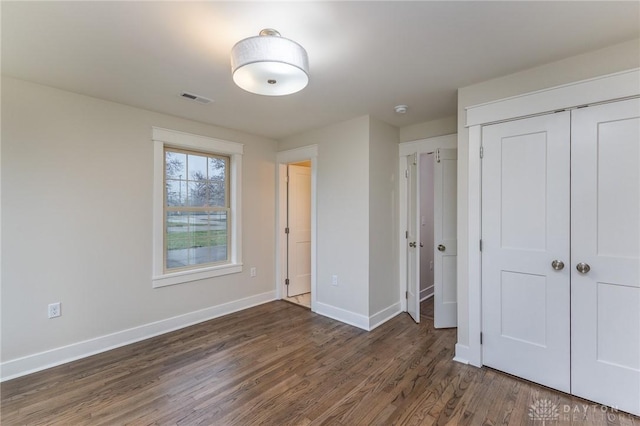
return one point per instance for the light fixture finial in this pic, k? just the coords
(269, 32)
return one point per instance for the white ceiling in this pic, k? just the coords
(365, 57)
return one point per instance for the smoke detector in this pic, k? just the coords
(197, 98)
(400, 109)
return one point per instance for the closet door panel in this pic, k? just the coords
(605, 232)
(525, 227)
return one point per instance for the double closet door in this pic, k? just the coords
(560, 251)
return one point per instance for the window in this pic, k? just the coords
(196, 209)
(197, 231)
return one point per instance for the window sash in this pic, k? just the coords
(227, 174)
(227, 236)
(205, 209)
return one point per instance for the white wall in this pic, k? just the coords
(357, 225)
(616, 58)
(383, 223)
(343, 216)
(76, 222)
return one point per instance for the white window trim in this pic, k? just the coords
(164, 137)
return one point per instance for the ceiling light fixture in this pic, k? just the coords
(269, 64)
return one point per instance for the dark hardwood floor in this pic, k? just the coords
(280, 364)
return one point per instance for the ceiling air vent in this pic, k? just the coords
(197, 98)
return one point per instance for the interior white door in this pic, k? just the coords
(445, 238)
(299, 224)
(605, 300)
(525, 234)
(413, 238)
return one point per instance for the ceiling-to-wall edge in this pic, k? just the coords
(221, 132)
(429, 129)
(612, 59)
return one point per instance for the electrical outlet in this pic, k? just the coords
(54, 310)
(334, 280)
(253, 272)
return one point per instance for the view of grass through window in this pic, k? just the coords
(196, 209)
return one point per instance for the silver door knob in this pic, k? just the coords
(583, 268)
(441, 247)
(412, 244)
(558, 265)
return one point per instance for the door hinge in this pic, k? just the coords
(480, 245)
(438, 155)
(286, 281)
(406, 294)
(406, 173)
(481, 151)
(480, 338)
(406, 235)
(286, 230)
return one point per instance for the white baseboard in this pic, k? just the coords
(426, 293)
(358, 320)
(51, 358)
(384, 315)
(342, 315)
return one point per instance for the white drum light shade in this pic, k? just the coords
(269, 64)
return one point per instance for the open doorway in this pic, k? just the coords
(306, 157)
(297, 268)
(428, 218)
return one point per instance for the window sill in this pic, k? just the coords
(181, 277)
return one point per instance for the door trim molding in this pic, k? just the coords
(601, 89)
(594, 90)
(283, 158)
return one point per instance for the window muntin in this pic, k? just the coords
(196, 209)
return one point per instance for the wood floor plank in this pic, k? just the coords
(278, 364)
